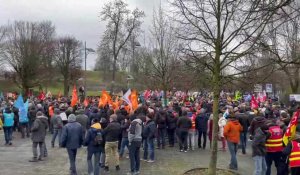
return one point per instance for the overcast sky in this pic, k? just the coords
(79, 18)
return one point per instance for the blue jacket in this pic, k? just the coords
(8, 119)
(201, 122)
(89, 139)
(71, 137)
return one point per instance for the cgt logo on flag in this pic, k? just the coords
(291, 129)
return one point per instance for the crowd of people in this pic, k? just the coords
(108, 133)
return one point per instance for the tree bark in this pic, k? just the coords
(113, 75)
(66, 86)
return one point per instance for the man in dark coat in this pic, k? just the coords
(71, 139)
(83, 120)
(183, 125)
(171, 127)
(201, 126)
(243, 119)
(38, 135)
(148, 135)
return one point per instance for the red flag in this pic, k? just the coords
(147, 94)
(105, 99)
(134, 100)
(42, 96)
(291, 129)
(74, 97)
(254, 104)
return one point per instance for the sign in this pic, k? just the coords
(258, 88)
(295, 97)
(269, 88)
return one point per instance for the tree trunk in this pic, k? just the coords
(66, 86)
(113, 75)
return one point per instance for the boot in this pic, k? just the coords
(34, 159)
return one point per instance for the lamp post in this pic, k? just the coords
(86, 52)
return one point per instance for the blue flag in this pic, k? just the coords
(23, 113)
(19, 103)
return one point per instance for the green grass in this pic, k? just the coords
(95, 79)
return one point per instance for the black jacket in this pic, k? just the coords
(257, 122)
(258, 143)
(161, 119)
(125, 127)
(112, 132)
(171, 121)
(149, 130)
(184, 123)
(71, 136)
(243, 119)
(201, 122)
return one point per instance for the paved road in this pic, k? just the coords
(14, 161)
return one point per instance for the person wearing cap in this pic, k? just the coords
(94, 147)
(71, 139)
(201, 126)
(111, 134)
(232, 132)
(39, 130)
(57, 125)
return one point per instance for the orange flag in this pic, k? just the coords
(134, 100)
(105, 98)
(74, 97)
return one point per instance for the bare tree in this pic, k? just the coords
(68, 60)
(2, 46)
(121, 24)
(225, 31)
(26, 44)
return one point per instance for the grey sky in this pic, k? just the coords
(79, 18)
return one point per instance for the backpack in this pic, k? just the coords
(98, 139)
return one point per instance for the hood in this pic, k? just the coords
(44, 119)
(138, 120)
(96, 126)
(80, 111)
(260, 119)
(235, 122)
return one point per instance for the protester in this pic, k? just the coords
(148, 137)
(71, 139)
(259, 150)
(111, 134)
(83, 120)
(183, 126)
(210, 129)
(201, 126)
(192, 132)
(232, 134)
(243, 119)
(161, 122)
(95, 145)
(171, 126)
(222, 123)
(124, 143)
(293, 151)
(57, 125)
(39, 130)
(8, 123)
(135, 142)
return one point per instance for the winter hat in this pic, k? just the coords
(39, 113)
(71, 118)
(39, 106)
(56, 111)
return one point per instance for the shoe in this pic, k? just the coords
(157, 147)
(40, 159)
(106, 168)
(181, 150)
(127, 157)
(117, 168)
(10, 143)
(145, 160)
(130, 173)
(137, 172)
(33, 160)
(150, 161)
(185, 151)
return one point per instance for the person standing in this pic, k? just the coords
(222, 123)
(171, 127)
(57, 125)
(243, 119)
(232, 132)
(161, 122)
(135, 142)
(293, 151)
(259, 150)
(39, 130)
(83, 120)
(192, 132)
(148, 137)
(183, 126)
(8, 124)
(111, 134)
(124, 143)
(201, 126)
(95, 145)
(71, 139)
(274, 147)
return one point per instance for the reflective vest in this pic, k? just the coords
(274, 143)
(51, 111)
(193, 122)
(295, 155)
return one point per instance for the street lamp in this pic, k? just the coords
(86, 52)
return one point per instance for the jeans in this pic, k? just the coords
(23, 127)
(34, 149)
(134, 155)
(72, 158)
(149, 148)
(161, 140)
(171, 136)
(111, 152)
(232, 149)
(243, 138)
(200, 133)
(55, 133)
(183, 136)
(124, 143)
(102, 159)
(276, 157)
(191, 140)
(260, 166)
(8, 130)
(96, 169)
